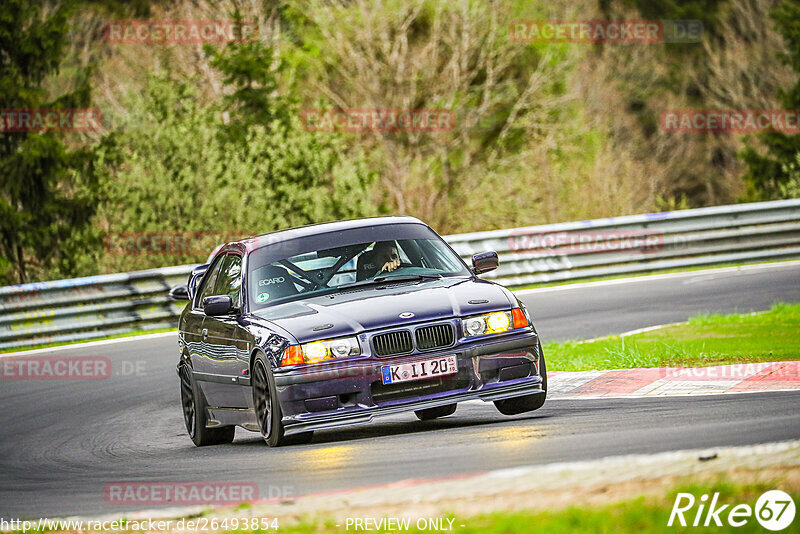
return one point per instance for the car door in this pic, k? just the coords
(227, 355)
(193, 321)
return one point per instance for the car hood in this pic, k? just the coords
(364, 309)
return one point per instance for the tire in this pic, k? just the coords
(432, 413)
(528, 403)
(266, 404)
(195, 416)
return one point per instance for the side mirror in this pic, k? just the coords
(483, 262)
(217, 305)
(179, 292)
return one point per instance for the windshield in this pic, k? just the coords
(311, 271)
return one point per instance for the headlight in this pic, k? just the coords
(319, 351)
(491, 323)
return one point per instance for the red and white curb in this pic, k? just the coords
(735, 378)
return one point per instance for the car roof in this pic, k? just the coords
(255, 242)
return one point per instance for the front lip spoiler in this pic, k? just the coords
(492, 392)
(373, 365)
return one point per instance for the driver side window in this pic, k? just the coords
(209, 281)
(229, 281)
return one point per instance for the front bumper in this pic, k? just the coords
(351, 393)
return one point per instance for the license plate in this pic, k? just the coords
(446, 365)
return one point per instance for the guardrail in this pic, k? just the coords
(639, 243)
(98, 306)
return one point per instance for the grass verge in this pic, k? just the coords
(629, 507)
(629, 494)
(634, 515)
(703, 340)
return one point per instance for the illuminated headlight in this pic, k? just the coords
(491, 323)
(318, 351)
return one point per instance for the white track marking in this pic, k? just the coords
(666, 276)
(631, 332)
(90, 344)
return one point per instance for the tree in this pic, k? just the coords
(769, 173)
(791, 189)
(240, 166)
(443, 57)
(299, 177)
(46, 187)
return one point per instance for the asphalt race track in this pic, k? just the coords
(62, 442)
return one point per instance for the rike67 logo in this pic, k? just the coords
(774, 510)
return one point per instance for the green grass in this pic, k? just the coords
(76, 342)
(703, 340)
(632, 516)
(648, 513)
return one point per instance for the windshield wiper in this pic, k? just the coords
(388, 279)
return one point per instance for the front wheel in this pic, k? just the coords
(528, 403)
(265, 401)
(268, 409)
(195, 416)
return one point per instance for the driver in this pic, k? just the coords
(385, 255)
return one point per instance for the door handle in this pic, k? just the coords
(205, 333)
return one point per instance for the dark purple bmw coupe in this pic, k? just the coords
(336, 324)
